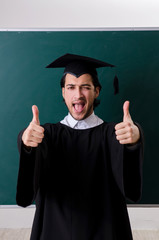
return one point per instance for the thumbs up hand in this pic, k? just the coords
(35, 112)
(127, 132)
(34, 133)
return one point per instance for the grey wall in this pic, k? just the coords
(76, 14)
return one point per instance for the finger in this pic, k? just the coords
(35, 112)
(121, 131)
(126, 114)
(32, 141)
(37, 134)
(32, 144)
(127, 129)
(33, 133)
(123, 136)
(34, 127)
(35, 139)
(126, 141)
(122, 125)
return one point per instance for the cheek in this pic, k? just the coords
(67, 98)
(91, 97)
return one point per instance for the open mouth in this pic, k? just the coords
(78, 107)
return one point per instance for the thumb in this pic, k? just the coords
(126, 113)
(35, 112)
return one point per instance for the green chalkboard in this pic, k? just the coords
(25, 81)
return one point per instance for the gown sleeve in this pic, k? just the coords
(133, 169)
(30, 170)
(127, 164)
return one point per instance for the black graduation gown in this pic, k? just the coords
(79, 180)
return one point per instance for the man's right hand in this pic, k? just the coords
(34, 133)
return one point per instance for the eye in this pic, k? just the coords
(86, 87)
(70, 87)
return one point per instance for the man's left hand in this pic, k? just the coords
(127, 132)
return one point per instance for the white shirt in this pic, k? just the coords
(89, 122)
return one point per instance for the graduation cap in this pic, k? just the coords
(79, 65)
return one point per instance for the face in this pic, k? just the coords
(79, 95)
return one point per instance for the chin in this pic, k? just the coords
(78, 117)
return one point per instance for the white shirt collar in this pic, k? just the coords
(72, 122)
(89, 122)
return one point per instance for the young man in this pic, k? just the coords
(81, 170)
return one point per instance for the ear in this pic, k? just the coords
(97, 91)
(63, 92)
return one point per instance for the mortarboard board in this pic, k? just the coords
(79, 65)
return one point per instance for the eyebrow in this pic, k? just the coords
(82, 85)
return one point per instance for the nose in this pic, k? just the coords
(78, 93)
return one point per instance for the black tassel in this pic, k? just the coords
(116, 85)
